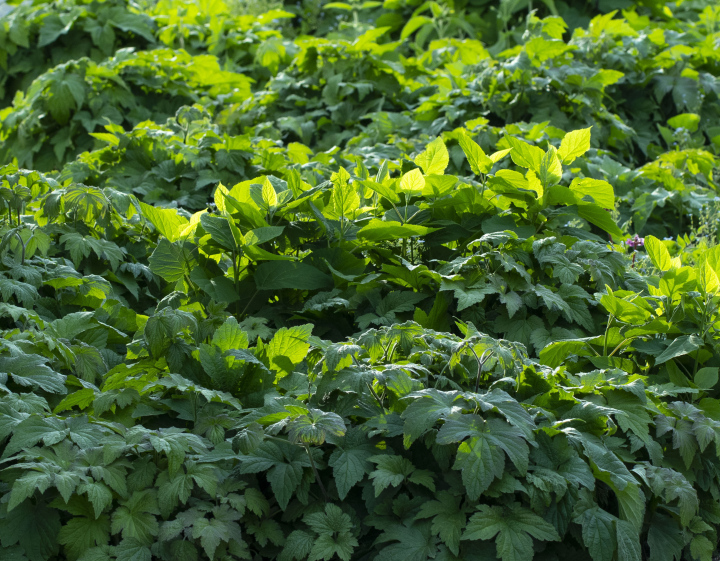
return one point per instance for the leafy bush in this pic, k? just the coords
(376, 293)
(35, 37)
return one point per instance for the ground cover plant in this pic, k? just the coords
(359, 281)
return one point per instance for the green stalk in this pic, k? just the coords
(317, 475)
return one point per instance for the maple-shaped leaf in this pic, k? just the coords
(552, 300)
(416, 543)
(334, 529)
(136, 517)
(448, 519)
(429, 406)
(315, 426)
(211, 532)
(31, 370)
(482, 449)
(565, 271)
(683, 437)
(230, 336)
(284, 464)
(266, 531)
(394, 470)
(82, 533)
(297, 546)
(131, 549)
(99, 495)
(514, 525)
(350, 460)
(34, 527)
(665, 539)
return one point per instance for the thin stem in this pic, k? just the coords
(621, 345)
(317, 475)
(249, 302)
(236, 277)
(607, 329)
(481, 362)
(376, 396)
(22, 248)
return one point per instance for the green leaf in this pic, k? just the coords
(230, 336)
(659, 254)
(344, 198)
(478, 160)
(687, 121)
(393, 470)
(380, 230)
(628, 541)
(448, 519)
(434, 159)
(167, 221)
(706, 378)
(82, 533)
(598, 533)
(386, 191)
(172, 261)
(132, 550)
(525, 155)
(327, 546)
(574, 144)
(624, 310)
(31, 370)
(315, 427)
(334, 528)
(514, 526)
(25, 486)
(34, 527)
(289, 347)
(600, 192)
(278, 275)
(298, 544)
(260, 235)
(481, 458)
(221, 232)
(550, 172)
(212, 532)
(416, 543)
(350, 461)
(135, 518)
(601, 218)
(679, 347)
(413, 25)
(413, 182)
(701, 548)
(283, 466)
(99, 495)
(66, 93)
(427, 407)
(24, 293)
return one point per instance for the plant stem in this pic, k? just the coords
(317, 475)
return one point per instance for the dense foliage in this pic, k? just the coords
(360, 281)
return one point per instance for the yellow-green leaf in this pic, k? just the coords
(413, 181)
(574, 145)
(593, 190)
(167, 221)
(550, 168)
(478, 160)
(524, 154)
(435, 158)
(659, 254)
